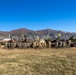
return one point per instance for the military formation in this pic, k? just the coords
(41, 43)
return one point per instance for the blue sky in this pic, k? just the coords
(38, 14)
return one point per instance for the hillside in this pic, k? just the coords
(31, 33)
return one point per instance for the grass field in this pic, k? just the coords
(38, 62)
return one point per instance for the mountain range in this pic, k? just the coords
(31, 33)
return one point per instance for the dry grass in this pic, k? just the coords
(38, 62)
